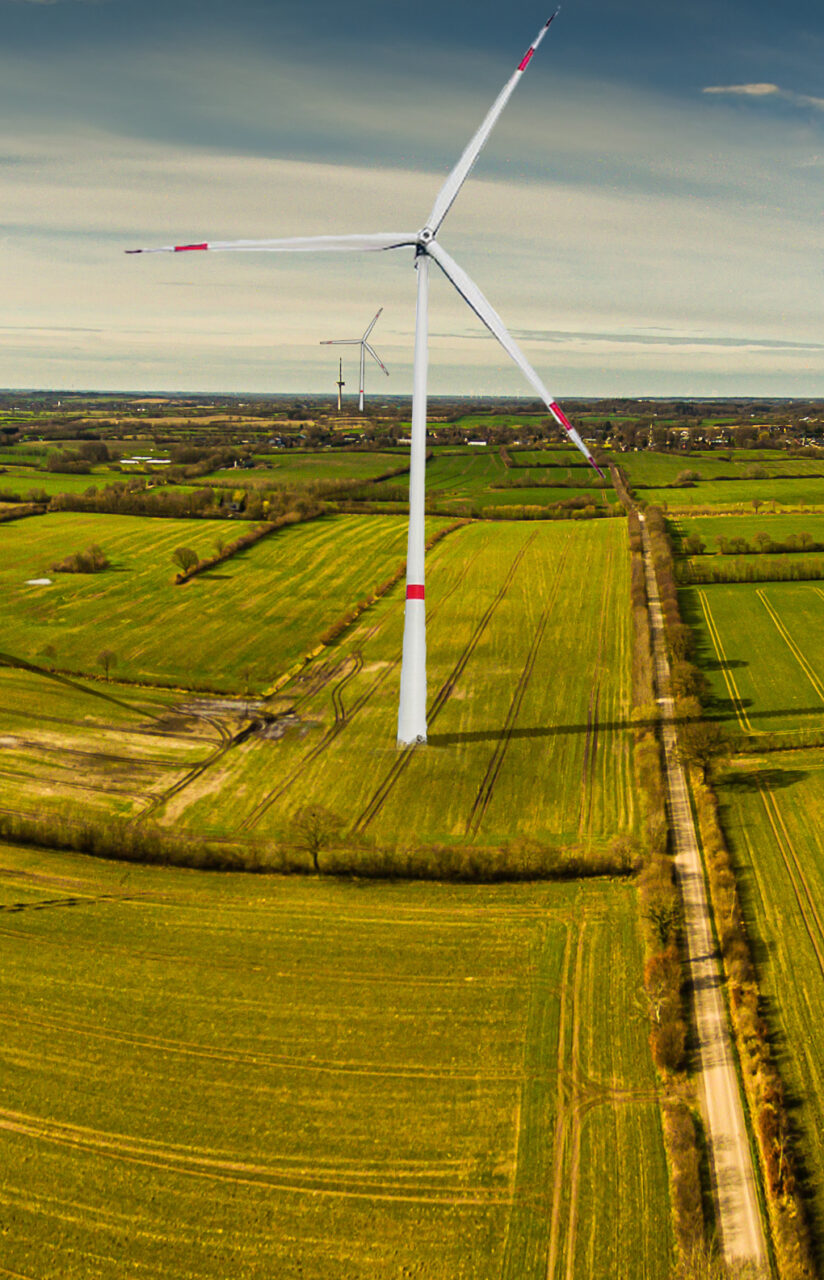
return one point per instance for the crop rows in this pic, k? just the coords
(528, 706)
(205, 1076)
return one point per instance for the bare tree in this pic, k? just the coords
(107, 659)
(185, 558)
(313, 829)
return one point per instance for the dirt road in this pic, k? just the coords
(739, 1218)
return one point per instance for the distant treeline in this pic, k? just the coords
(699, 573)
(560, 482)
(762, 544)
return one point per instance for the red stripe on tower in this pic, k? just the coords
(414, 592)
(186, 248)
(525, 61)
(561, 416)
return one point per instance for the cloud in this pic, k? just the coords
(767, 91)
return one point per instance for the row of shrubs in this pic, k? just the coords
(248, 540)
(21, 509)
(337, 628)
(119, 840)
(92, 560)
(762, 544)
(661, 917)
(552, 482)
(762, 1082)
(690, 573)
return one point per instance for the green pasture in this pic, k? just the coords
(528, 654)
(773, 812)
(550, 458)
(732, 495)
(235, 628)
(291, 467)
(778, 527)
(26, 480)
(760, 648)
(215, 1075)
(648, 468)
(477, 478)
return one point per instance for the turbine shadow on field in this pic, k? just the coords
(717, 713)
(763, 779)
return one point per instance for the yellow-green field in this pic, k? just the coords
(760, 647)
(83, 748)
(528, 700)
(235, 628)
(774, 817)
(229, 1076)
(528, 668)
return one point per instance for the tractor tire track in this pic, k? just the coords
(405, 754)
(795, 650)
(591, 741)
(806, 903)
(565, 1097)
(378, 1183)
(493, 769)
(342, 718)
(328, 738)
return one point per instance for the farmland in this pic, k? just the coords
(648, 469)
(732, 495)
(472, 478)
(527, 649)
(211, 1076)
(776, 527)
(293, 467)
(774, 812)
(236, 628)
(760, 649)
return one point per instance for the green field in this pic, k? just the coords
(239, 626)
(292, 467)
(760, 647)
(774, 816)
(776, 527)
(229, 1076)
(80, 748)
(26, 480)
(649, 468)
(528, 668)
(477, 478)
(732, 495)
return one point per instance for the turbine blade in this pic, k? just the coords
(373, 353)
(372, 325)
(463, 168)
(471, 294)
(339, 342)
(300, 244)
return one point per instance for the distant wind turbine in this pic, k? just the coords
(340, 383)
(412, 710)
(363, 343)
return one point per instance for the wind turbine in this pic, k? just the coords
(363, 343)
(412, 709)
(340, 383)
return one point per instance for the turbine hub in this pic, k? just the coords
(426, 235)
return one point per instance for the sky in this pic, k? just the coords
(647, 217)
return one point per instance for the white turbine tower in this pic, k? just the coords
(412, 711)
(363, 343)
(340, 383)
